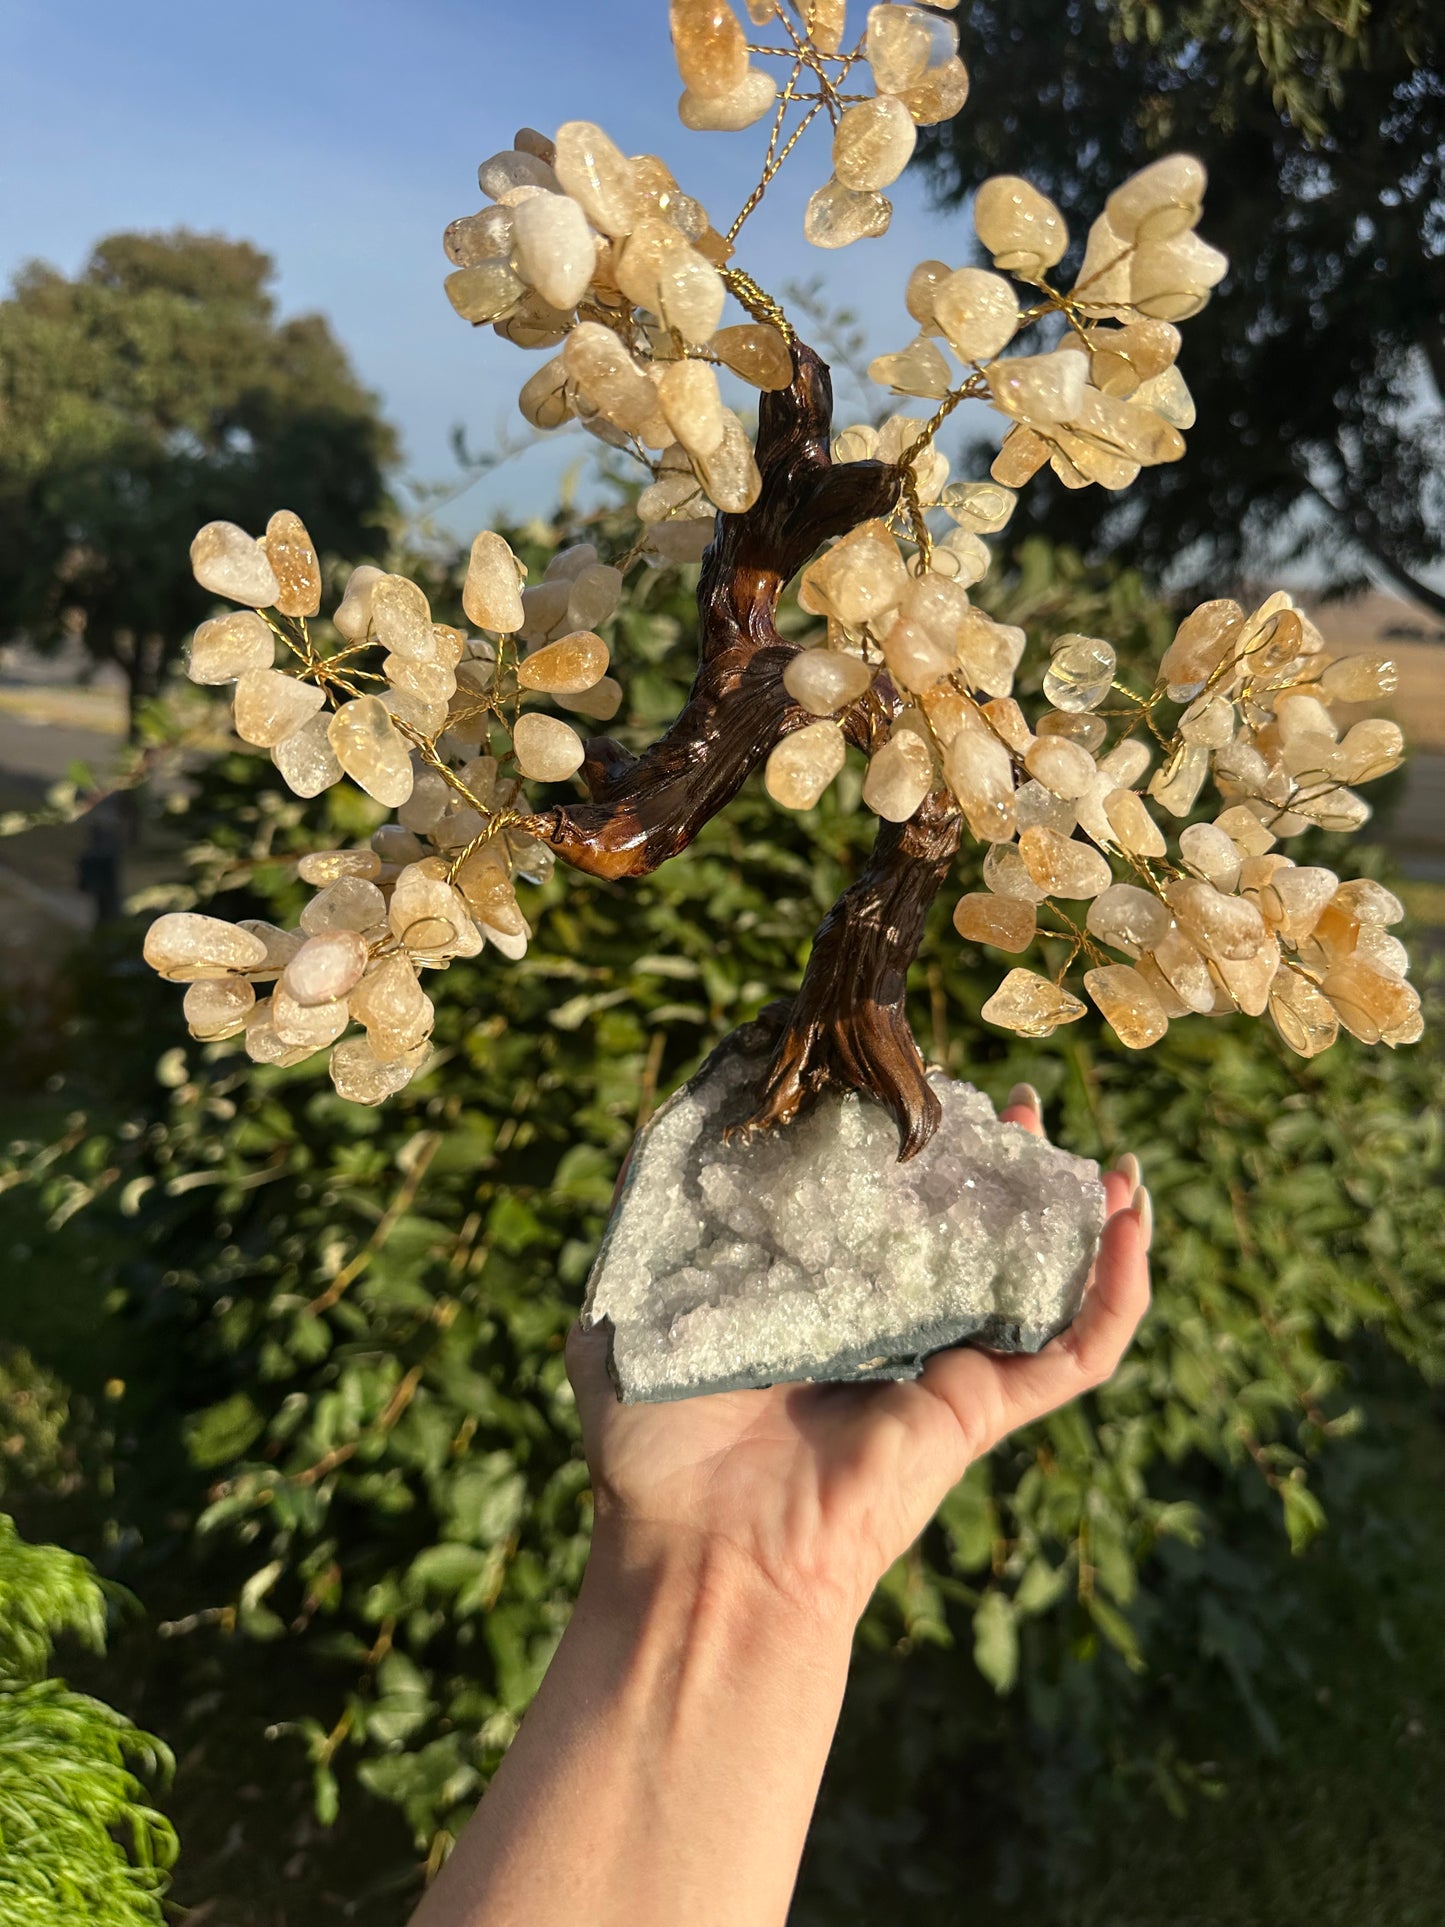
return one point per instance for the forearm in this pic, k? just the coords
(667, 1769)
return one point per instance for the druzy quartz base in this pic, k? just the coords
(810, 1252)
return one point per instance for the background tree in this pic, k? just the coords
(156, 389)
(1323, 353)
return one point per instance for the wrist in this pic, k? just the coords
(648, 1572)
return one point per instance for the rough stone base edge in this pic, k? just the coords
(899, 1357)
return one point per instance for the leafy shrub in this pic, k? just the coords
(355, 1319)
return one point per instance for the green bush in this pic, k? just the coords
(345, 1327)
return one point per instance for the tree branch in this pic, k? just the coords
(1366, 531)
(647, 808)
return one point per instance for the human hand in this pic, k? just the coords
(816, 1489)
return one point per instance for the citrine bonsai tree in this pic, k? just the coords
(1132, 835)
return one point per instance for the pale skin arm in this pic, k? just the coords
(668, 1767)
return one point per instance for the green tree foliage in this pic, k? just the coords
(1322, 425)
(156, 391)
(79, 1840)
(354, 1323)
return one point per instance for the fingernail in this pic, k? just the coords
(1144, 1205)
(1128, 1169)
(1026, 1096)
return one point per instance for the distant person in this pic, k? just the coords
(666, 1773)
(98, 871)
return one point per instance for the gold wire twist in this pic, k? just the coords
(758, 302)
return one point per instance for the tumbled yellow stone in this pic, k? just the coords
(1359, 679)
(271, 705)
(1209, 720)
(350, 903)
(918, 369)
(1370, 749)
(859, 580)
(1159, 201)
(690, 295)
(916, 659)
(756, 351)
(306, 759)
(1134, 828)
(392, 1005)
(902, 43)
(1295, 897)
(1128, 1004)
(216, 1007)
(1020, 458)
(922, 285)
(1177, 783)
(371, 751)
(352, 619)
(980, 774)
(939, 94)
(565, 667)
(1202, 642)
(1020, 227)
(1029, 1004)
(1039, 388)
(485, 292)
(729, 472)
(981, 507)
(1008, 923)
(492, 592)
(1061, 766)
(711, 47)
(1304, 1018)
(1080, 672)
(961, 557)
(327, 966)
(1062, 866)
(544, 399)
(990, 652)
(228, 562)
(600, 703)
(1369, 902)
(1005, 875)
(474, 239)
(978, 312)
(1229, 929)
(292, 554)
(803, 764)
(617, 387)
(401, 619)
(488, 890)
(505, 176)
(726, 113)
(1009, 722)
(899, 776)
(429, 915)
(1368, 1003)
(186, 947)
(553, 248)
(1123, 359)
(1033, 805)
(836, 216)
(1170, 280)
(693, 405)
(310, 1026)
(1245, 830)
(227, 646)
(873, 143)
(1212, 852)
(824, 681)
(1184, 969)
(1128, 918)
(325, 866)
(547, 749)
(598, 176)
(361, 1078)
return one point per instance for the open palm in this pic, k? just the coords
(820, 1487)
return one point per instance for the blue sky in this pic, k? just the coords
(342, 136)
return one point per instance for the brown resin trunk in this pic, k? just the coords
(848, 1026)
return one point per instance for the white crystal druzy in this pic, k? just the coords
(810, 1252)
